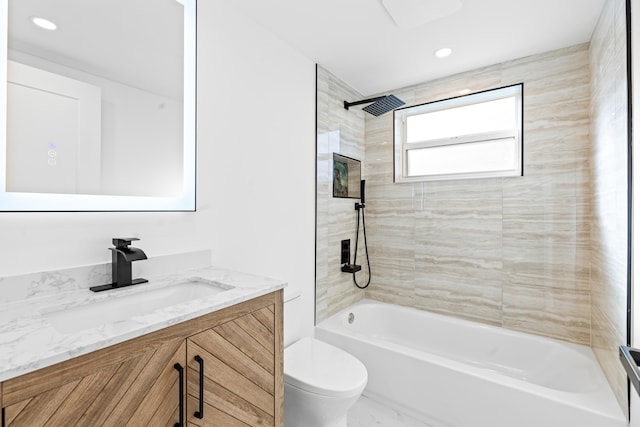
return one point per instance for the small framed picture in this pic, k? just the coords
(346, 177)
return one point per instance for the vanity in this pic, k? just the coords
(89, 124)
(196, 348)
(213, 359)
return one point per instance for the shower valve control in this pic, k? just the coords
(345, 254)
(345, 251)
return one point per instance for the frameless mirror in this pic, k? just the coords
(100, 110)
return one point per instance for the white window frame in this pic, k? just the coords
(402, 147)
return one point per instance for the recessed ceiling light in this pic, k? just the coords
(465, 91)
(443, 53)
(43, 23)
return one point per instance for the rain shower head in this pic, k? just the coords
(379, 105)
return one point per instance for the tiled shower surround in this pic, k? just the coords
(609, 193)
(511, 252)
(544, 253)
(339, 131)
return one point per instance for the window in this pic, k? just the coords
(472, 136)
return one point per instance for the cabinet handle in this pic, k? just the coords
(180, 370)
(200, 412)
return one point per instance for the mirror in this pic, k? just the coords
(99, 112)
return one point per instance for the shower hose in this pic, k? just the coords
(360, 207)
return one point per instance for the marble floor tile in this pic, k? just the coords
(368, 412)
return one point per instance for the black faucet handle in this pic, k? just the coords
(123, 242)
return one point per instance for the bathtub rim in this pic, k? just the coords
(601, 400)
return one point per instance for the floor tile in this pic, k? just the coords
(368, 412)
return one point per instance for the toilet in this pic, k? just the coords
(321, 382)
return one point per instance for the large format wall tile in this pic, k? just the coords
(512, 252)
(553, 312)
(608, 232)
(546, 244)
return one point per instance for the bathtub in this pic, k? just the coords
(449, 372)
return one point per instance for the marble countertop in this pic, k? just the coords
(28, 341)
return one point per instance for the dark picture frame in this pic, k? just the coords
(347, 173)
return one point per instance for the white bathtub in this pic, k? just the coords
(455, 373)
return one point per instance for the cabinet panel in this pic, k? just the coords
(214, 416)
(237, 383)
(130, 391)
(240, 361)
(160, 391)
(211, 341)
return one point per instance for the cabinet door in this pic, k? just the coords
(140, 390)
(241, 359)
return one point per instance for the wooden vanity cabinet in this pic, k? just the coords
(138, 389)
(236, 363)
(137, 382)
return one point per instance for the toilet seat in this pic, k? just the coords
(317, 367)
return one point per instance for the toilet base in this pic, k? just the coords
(302, 409)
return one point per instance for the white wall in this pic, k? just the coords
(256, 158)
(260, 134)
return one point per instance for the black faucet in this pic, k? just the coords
(121, 260)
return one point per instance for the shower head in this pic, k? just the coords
(379, 105)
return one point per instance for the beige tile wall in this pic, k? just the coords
(339, 131)
(511, 252)
(609, 201)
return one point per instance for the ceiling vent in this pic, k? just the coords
(413, 13)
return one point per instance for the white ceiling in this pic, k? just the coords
(358, 41)
(139, 43)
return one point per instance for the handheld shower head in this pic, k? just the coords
(379, 105)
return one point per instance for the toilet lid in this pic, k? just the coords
(318, 367)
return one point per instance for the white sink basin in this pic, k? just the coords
(113, 308)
